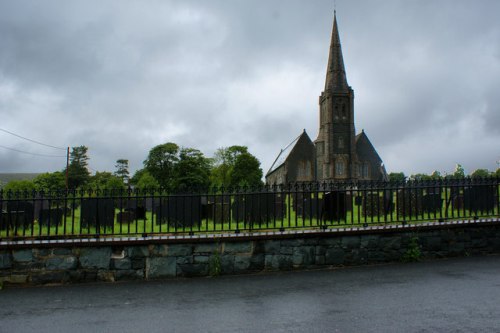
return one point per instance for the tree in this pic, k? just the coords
(191, 171)
(246, 171)
(145, 180)
(19, 186)
(105, 180)
(397, 177)
(459, 171)
(122, 170)
(50, 181)
(481, 173)
(224, 160)
(497, 173)
(78, 174)
(160, 163)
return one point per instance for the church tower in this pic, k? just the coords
(336, 157)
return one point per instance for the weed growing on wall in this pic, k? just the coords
(413, 252)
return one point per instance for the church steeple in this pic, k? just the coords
(336, 80)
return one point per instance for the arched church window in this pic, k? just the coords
(339, 168)
(344, 113)
(341, 142)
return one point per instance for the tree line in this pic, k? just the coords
(459, 173)
(169, 166)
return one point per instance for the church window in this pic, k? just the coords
(344, 113)
(339, 168)
(364, 170)
(341, 142)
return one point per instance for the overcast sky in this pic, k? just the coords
(123, 76)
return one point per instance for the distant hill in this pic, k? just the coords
(7, 177)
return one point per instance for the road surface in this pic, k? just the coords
(455, 295)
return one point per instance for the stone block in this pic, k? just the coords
(335, 256)
(331, 242)
(227, 264)
(432, 243)
(160, 250)
(242, 263)
(272, 247)
(278, 262)
(22, 255)
(303, 256)
(201, 259)
(5, 261)
(257, 262)
(351, 242)
(185, 260)
(180, 250)
(161, 267)
(61, 251)
(122, 264)
(95, 257)
(370, 241)
(292, 242)
(192, 270)
(61, 263)
(42, 252)
(390, 242)
(206, 248)
(138, 251)
(238, 247)
(287, 250)
(138, 263)
(320, 250)
(319, 260)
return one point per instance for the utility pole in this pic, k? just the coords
(67, 168)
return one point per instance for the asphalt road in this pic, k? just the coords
(458, 295)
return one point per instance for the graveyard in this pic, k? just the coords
(310, 206)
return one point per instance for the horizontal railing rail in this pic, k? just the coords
(99, 213)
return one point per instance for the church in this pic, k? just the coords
(337, 154)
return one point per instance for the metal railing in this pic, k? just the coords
(105, 213)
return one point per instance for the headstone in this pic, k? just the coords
(258, 208)
(409, 202)
(180, 211)
(125, 217)
(480, 198)
(137, 207)
(97, 213)
(51, 216)
(19, 214)
(432, 202)
(334, 206)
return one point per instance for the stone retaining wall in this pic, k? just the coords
(74, 263)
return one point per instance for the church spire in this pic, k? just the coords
(336, 79)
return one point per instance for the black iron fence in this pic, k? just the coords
(103, 213)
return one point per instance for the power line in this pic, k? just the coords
(31, 140)
(28, 153)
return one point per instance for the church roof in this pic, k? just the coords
(336, 79)
(285, 152)
(364, 147)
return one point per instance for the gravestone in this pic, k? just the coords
(50, 216)
(219, 209)
(125, 217)
(19, 214)
(97, 213)
(334, 206)
(137, 207)
(432, 202)
(409, 202)
(480, 198)
(180, 211)
(258, 208)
